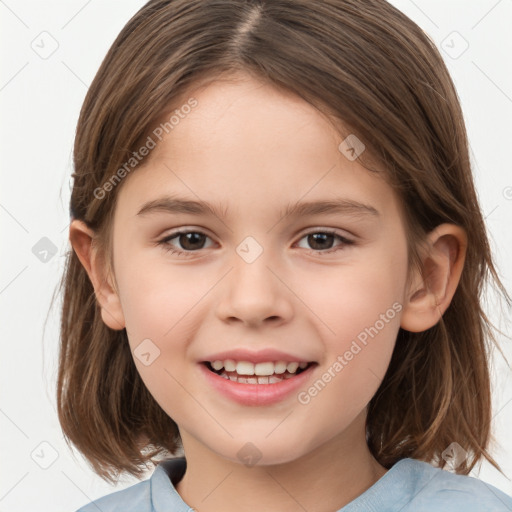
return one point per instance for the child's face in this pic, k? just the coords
(255, 151)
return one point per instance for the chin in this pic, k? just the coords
(261, 451)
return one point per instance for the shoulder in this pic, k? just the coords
(154, 494)
(436, 489)
(136, 498)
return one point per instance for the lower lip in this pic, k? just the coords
(256, 394)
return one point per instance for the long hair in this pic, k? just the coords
(363, 63)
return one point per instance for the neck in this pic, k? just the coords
(325, 479)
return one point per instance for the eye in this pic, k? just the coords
(321, 241)
(191, 241)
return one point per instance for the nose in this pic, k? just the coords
(254, 294)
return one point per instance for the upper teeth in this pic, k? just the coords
(248, 368)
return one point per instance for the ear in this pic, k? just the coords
(432, 289)
(83, 240)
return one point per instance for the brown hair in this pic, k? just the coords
(365, 64)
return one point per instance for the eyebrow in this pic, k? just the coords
(173, 204)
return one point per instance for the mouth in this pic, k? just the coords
(268, 372)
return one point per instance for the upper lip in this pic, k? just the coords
(255, 356)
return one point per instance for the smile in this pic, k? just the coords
(257, 384)
(267, 372)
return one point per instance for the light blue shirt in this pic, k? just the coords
(409, 486)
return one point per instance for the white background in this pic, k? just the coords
(40, 101)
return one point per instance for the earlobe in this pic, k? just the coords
(82, 240)
(433, 288)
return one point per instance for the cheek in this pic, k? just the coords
(155, 297)
(353, 297)
(356, 360)
(359, 310)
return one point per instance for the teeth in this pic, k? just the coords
(267, 372)
(273, 379)
(244, 368)
(229, 365)
(292, 367)
(279, 367)
(264, 368)
(217, 365)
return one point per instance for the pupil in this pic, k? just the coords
(185, 238)
(315, 237)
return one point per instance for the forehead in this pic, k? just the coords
(247, 142)
(244, 105)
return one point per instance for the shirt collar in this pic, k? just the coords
(164, 496)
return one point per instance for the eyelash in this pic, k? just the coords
(165, 242)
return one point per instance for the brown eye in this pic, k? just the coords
(187, 242)
(191, 241)
(320, 241)
(323, 241)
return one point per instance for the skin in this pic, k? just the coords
(254, 149)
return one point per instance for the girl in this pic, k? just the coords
(207, 325)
